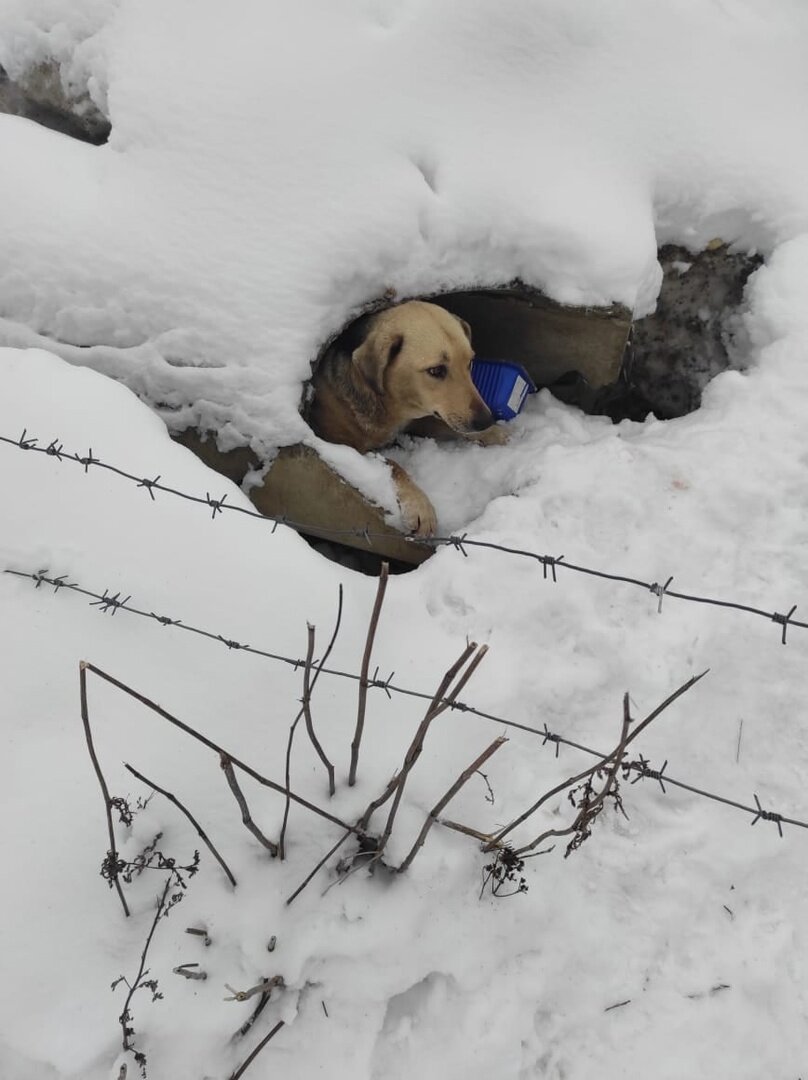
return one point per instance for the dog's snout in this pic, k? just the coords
(482, 419)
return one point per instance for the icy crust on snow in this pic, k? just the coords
(270, 172)
(681, 915)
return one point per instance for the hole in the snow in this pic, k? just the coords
(596, 358)
(591, 357)
(575, 351)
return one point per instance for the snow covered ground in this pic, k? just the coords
(271, 167)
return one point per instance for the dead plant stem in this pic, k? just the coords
(432, 816)
(202, 834)
(246, 817)
(363, 676)
(85, 718)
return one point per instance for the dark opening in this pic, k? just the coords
(41, 98)
(597, 358)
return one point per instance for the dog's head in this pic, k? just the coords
(417, 356)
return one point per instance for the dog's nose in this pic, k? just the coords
(483, 418)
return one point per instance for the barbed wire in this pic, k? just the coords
(107, 603)
(550, 563)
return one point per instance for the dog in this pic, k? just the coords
(407, 368)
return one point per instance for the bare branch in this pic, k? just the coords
(373, 806)
(264, 987)
(432, 816)
(187, 973)
(322, 862)
(263, 1001)
(440, 702)
(227, 769)
(329, 768)
(202, 834)
(288, 777)
(293, 727)
(125, 1017)
(219, 750)
(444, 703)
(248, 1061)
(484, 838)
(363, 677)
(638, 730)
(590, 807)
(604, 761)
(85, 718)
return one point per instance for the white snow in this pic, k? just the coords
(271, 168)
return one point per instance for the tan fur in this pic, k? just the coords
(365, 397)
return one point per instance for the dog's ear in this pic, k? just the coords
(465, 326)
(375, 355)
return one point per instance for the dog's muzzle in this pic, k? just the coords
(482, 419)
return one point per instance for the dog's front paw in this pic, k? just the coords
(496, 435)
(417, 512)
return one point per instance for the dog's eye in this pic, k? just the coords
(440, 371)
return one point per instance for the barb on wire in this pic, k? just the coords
(25, 443)
(767, 815)
(660, 591)
(550, 736)
(149, 485)
(551, 562)
(216, 505)
(458, 543)
(110, 603)
(644, 771)
(784, 621)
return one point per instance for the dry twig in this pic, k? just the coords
(592, 802)
(293, 726)
(496, 841)
(363, 676)
(185, 971)
(374, 805)
(442, 699)
(202, 834)
(432, 816)
(315, 742)
(322, 862)
(227, 769)
(266, 986)
(219, 750)
(249, 1060)
(125, 1018)
(85, 719)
